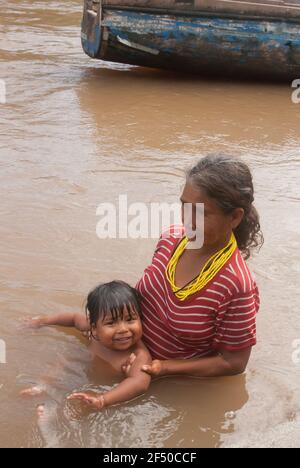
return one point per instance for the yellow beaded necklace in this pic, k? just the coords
(208, 272)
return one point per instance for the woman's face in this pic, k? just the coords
(120, 334)
(217, 226)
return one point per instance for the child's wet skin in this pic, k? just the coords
(118, 334)
(113, 319)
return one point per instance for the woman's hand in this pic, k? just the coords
(94, 401)
(154, 369)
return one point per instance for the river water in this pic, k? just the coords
(76, 133)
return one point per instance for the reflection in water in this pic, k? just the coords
(75, 133)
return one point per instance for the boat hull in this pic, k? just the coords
(205, 43)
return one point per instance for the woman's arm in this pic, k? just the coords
(136, 383)
(224, 364)
(65, 319)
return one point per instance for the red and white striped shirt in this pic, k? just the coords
(220, 316)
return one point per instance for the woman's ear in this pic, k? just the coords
(236, 217)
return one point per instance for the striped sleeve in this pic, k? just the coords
(236, 322)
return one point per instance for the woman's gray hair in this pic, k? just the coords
(229, 182)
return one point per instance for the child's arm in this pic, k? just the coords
(65, 319)
(136, 383)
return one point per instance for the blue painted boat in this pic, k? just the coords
(223, 37)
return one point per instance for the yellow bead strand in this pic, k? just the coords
(208, 272)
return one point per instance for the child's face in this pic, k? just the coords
(121, 334)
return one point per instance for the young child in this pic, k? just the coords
(113, 322)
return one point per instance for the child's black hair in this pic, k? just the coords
(229, 182)
(111, 299)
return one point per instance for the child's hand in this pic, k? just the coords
(93, 401)
(126, 367)
(33, 322)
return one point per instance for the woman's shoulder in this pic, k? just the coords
(167, 243)
(240, 280)
(171, 236)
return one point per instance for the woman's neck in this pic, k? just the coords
(209, 250)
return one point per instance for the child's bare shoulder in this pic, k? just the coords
(141, 351)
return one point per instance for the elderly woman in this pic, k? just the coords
(199, 305)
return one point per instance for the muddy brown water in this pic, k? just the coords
(76, 133)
